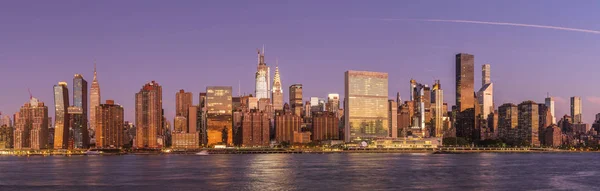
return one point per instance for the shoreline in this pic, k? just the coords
(306, 151)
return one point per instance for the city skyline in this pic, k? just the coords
(316, 58)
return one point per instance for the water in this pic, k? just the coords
(578, 171)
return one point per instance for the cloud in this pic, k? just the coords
(501, 23)
(593, 99)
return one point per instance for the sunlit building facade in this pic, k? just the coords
(109, 125)
(262, 77)
(529, 124)
(277, 91)
(465, 97)
(366, 113)
(296, 99)
(576, 110)
(219, 115)
(286, 123)
(61, 119)
(95, 100)
(148, 116)
(31, 131)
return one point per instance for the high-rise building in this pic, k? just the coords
(201, 117)
(576, 110)
(325, 126)
(366, 96)
(550, 105)
(192, 119)
(485, 95)
(465, 97)
(219, 115)
(296, 99)
(61, 121)
(333, 103)
(307, 110)
(286, 123)
(7, 121)
(79, 132)
(31, 129)
(95, 100)
(183, 102)
(180, 124)
(6, 136)
(277, 91)
(529, 123)
(109, 125)
(148, 116)
(255, 129)
(438, 110)
(508, 122)
(393, 119)
(80, 97)
(262, 78)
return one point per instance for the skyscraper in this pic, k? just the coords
(296, 99)
(529, 123)
(286, 123)
(61, 119)
(262, 77)
(255, 129)
(550, 104)
(219, 115)
(485, 95)
(31, 129)
(78, 113)
(576, 110)
(95, 100)
(366, 96)
(325, 126)
(508, 122)
(109, 125)
(438, 109)
(183, 102)
(393, 118)
(465, 97)
(277, 91)
(333, 103)
(148, 116)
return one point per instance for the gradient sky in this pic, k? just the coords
(193, 44)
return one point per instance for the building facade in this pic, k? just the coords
(219, 115)
(286, 123)
(325, 126)
(31, 131)
(296, 99)
(79, 131)
(262, 77)
(438, 110)
(508, 122)
(61, 119)
(366, 96)
(529, 123)
(255, 129)
(549, 101)
(149, 116)
(95, 100)
(576, 110)
(465, 98)
(393, 119)
(109, 125)
(277, 91)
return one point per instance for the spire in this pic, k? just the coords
(94, 70)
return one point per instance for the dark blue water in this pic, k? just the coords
(580, 171)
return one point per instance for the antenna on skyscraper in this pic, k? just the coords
(30, 95)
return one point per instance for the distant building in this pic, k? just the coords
(277, 91)
(296, 99)
(465, 99)
(549, 102)
(508, 122)
(485, 95)
(333, 103)
(553, 136)
(109, 125)
(404, 116)
(366, 115)
(31, 131)
(325, 126)
(62, 121)
(529, 123)
(580, 128)
(6, 136)
(148, 116)
(262, 77)
(307, 110)
(255, 129)
(79, 132)
(219, 115)
(302, 137)
(439, 111)
(180, 124)
(576, 110)
(186, 140)
(286, 123)
(183, 101)
(95, 100)
(393, 118)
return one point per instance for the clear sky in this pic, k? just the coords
(193, 44)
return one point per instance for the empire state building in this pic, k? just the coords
(263, 85)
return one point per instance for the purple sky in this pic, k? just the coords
(193, 44)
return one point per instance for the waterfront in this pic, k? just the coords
(343, 171)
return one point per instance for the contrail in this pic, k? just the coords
(500, 23)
